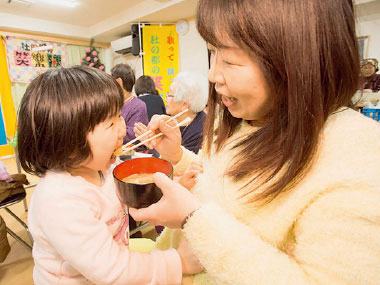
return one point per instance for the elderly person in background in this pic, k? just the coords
(147, 92)
(134, 110)
(370, 79)
(189, 90)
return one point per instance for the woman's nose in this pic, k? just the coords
(214, 73)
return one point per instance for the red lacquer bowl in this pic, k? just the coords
(140, 195)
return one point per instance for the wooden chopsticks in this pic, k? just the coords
(184, 122)
(127, 147)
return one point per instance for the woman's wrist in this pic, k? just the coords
(175, 158)
(178, 156)
(185, 220)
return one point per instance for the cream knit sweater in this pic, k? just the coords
(326, 230)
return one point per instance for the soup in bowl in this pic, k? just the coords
(135, 183)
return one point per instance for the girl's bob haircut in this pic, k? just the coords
(59, 108)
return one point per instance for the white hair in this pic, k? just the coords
(191, 88)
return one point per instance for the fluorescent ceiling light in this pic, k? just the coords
(20, 1)
(65, 3)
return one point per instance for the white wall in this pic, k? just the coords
(371, 29)
(193, 51)
(192, 54)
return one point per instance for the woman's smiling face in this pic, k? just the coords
(239, 82)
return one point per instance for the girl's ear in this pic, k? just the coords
(120, 81)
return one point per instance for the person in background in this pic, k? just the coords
(146, 90)
(134, 110)
(289, 188)
(79, 226)
(189, 90)
(370, 79)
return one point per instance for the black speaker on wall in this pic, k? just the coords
(135, 39)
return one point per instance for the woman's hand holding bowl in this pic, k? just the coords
(172, 209)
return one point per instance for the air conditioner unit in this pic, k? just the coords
(123, 45)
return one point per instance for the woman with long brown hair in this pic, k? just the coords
(290, 187)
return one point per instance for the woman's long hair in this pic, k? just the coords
(308, 53)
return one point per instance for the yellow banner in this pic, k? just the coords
(160, 46)
(7, 109)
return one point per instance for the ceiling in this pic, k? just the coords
(109, 20)
(368, 10)
(99, 19)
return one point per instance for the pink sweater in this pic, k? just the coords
(78, 230)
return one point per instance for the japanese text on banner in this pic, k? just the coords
(160, 44)
(28, 58)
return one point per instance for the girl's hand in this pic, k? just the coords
(168, 145)
(190, 263)
(172, 209)
(188, 179)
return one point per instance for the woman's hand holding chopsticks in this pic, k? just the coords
(163, 134)
(165, 137)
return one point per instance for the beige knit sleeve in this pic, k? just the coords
(336, 241)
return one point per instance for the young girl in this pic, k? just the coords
(290, 189)
(69, 127)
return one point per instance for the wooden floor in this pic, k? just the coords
(17, 269)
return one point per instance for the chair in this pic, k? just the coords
(141, 226)
(16, 198)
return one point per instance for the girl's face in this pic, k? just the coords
(239, 82)
(173, 107)
(104, 140)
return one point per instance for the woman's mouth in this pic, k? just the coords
(228, 101)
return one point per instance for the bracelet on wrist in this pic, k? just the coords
(187, 218)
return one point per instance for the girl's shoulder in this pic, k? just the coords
(57, 187)
(57, 184)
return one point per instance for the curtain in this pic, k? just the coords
(18, 90)
(8, 114)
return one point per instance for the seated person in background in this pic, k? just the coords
(146, 91)
(134, 110)
(189, 90)
(369, 78)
